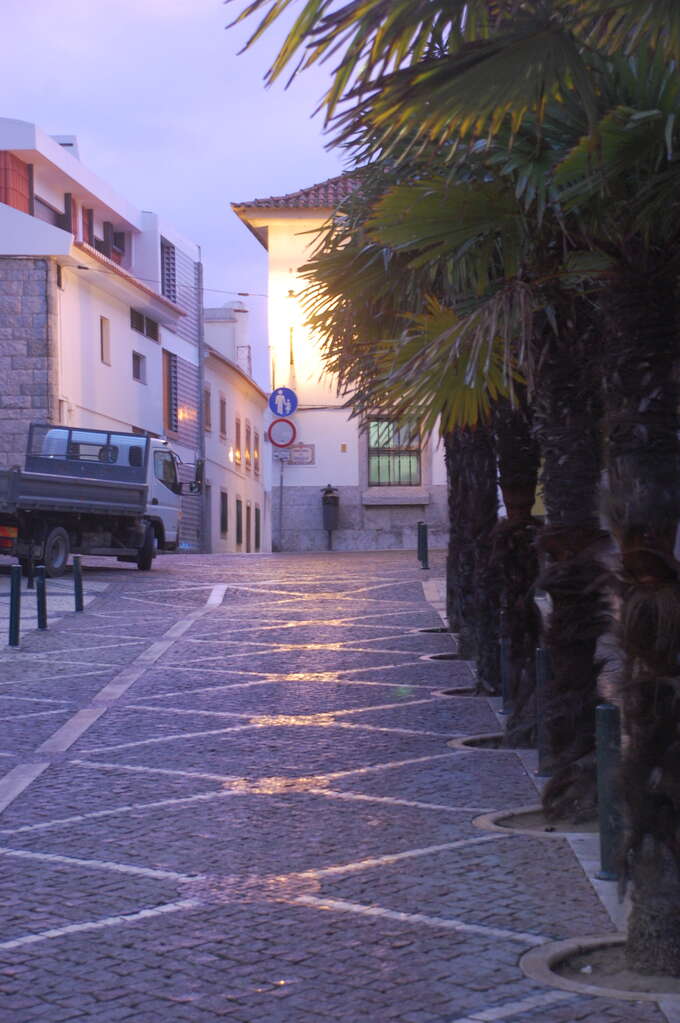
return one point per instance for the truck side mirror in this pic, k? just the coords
(196, 485)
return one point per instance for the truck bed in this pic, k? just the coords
(34, 491)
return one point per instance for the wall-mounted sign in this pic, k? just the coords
(283, 401)
(302, 454)
(282, 433)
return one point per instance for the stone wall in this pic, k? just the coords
(27, 359)
(361, 527)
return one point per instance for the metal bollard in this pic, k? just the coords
(30, 573)
(14, 604)
(41, 596)
(543, 676)
(422, 545)
(78, 582)
(608, 738)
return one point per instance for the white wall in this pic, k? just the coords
(245, 402)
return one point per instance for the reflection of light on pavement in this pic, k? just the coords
(270, 720)
(403, 692)
(271, 786)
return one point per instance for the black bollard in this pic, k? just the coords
(608, 737)
(422, 545)
(14, 604)
(41, 596)
(505, 674)
(78, 582)
(30, 573)
(543, 677)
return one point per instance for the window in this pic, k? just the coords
(144, 324)
(207, 412)
(256, 453)
(223, 417)
(139, 367)
(170, 403)
(393, 454)
(224, 513)
(239, 521)
(105, 340)
(237, 443)
(168, 270)
(165, 470)
(258, 527)
(43, 211)
(248, 445)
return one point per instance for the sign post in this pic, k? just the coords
(282, 433)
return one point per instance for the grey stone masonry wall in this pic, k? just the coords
(27, 362)
(361, 527)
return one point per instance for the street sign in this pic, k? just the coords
(282, 433)
(283, 401)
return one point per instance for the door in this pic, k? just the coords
(165, 493)
(248, 532)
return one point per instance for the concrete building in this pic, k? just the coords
(100, 308)
(237, 470)
(388, 477)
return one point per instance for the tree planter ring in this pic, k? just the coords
(538, 964)
(491, 822)
(490, 742)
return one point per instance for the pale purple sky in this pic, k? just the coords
(168, 114)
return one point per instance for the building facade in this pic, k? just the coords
(237, 473)
(388, 477)
(100, 309)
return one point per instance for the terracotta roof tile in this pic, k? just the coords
(326, 195)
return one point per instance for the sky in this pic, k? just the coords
(168, 114)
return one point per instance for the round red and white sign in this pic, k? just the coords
(282, 433)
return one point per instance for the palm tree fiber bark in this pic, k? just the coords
(644, 506)
(472, 587)
(514, 555)
(567, 414)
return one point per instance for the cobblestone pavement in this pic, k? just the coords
(228, 795)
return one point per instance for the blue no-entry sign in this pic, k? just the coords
(283, 401)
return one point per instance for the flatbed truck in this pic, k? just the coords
(99, 492)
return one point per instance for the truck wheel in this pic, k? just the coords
(57, 549)
(146, 552)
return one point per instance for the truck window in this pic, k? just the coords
(165, 469)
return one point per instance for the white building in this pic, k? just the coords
(100, 308)
(387, 478)
(237, 472)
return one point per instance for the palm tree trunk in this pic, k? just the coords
(514, 554)
(567, 411)
(472, 591)
(644, 505)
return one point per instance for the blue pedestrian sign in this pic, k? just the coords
(283, 401)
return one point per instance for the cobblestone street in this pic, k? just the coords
(228, 794)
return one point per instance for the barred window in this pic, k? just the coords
(393, 454)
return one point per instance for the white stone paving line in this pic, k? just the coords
(23, 775)
(409, 854)
(320, 714)
(439, 923)
(57, 676)
(33, 714)
(509, 1009)
(360, 797)
(80, 818)
(231, 779)
(53, 655)
(276, 680)
(98, 925)
(91, 864)
(305, 721)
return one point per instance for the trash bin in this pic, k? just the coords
(330, 509)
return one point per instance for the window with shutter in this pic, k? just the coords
(168, 270)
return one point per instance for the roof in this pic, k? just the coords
(325, 195)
